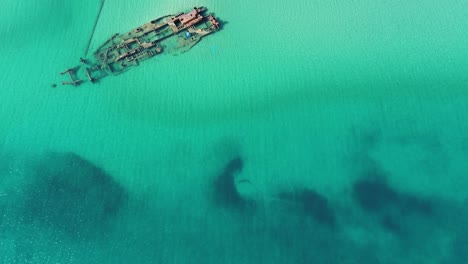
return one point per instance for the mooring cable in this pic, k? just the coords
(94, 27)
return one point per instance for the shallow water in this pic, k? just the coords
(315, 132)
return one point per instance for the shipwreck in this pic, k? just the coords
(171, 34)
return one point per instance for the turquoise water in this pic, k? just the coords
(306, 132)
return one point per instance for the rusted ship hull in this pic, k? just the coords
(169, 34)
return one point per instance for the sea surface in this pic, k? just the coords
(310, 131)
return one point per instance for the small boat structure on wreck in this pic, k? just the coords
(168, 34)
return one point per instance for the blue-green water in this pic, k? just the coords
(305, 132)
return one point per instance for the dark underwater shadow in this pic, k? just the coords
(396, 211)
(376, 195)
(71, 195)
(225, 189)
(312, 204)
